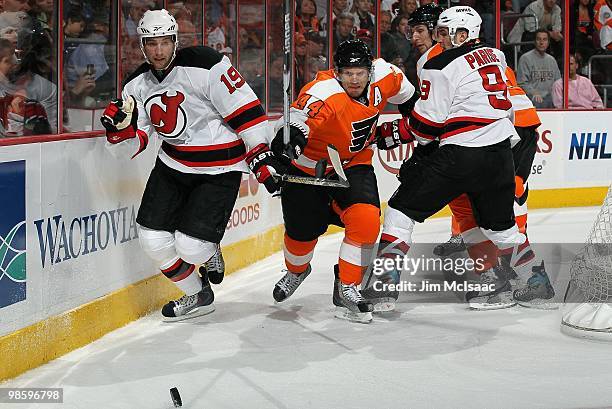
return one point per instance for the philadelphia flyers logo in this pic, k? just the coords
(362, 132)
(166, 113)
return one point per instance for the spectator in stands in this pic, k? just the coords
(582, 28)
(364, 19)
(338, 7)
(312, 67)
(405, 7)
(275, 83)
(537, 71)
(42, 13)
(136, 9)
(581, 94)
(29, 101)
(315, 44)
(401, 32)
(14, 5)
(603, 23)
(388, 48)
(131, 57)
(301, 49)
(74, 25)
(548, 15)
(187, 33)
(306, 16)
(252, 69)
(343, 28)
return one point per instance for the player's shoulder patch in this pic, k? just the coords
(443, 59)
(143, 69)
(198, 56)
(325, 88)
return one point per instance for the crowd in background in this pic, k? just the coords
(532, 39)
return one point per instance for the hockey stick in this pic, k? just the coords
(287, 77)
(319, 180)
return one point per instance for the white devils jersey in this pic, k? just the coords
(202, 109)
(464, 99)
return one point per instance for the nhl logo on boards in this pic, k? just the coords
(166, 113)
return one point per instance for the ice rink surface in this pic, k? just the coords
(251, 353)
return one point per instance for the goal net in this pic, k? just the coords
(588, 300)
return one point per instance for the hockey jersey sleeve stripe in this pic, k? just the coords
(144, 141)
(206, 157)
(216, 147)
(246, 116)
(423, 128)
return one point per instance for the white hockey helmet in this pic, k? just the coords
(458, 17)
(157, 23)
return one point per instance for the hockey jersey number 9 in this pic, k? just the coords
(328, 115)
(464, 98)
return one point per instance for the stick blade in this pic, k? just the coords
(334, 157)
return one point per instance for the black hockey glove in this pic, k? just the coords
(120, 118)
(297, 142)
(392, 134)
(264, 164)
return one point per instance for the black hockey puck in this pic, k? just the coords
(176, 398)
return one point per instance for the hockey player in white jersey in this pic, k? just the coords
(205, 113)
(464, 104)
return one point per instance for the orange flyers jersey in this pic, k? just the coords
(326, 114)
(525, 114)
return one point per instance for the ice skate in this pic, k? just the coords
(288, 284)
(454, 245)
(378, 292)
(190, 306)
(215, 267)
(350, 304)
(498, 297)
(538, 292)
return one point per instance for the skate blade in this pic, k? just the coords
(497, 302)
(539, 305)
(484, 305)
(197, 312)
(346, 314)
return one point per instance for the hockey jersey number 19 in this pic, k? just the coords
(202, 109)
(464, 99)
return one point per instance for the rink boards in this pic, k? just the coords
(71, 268)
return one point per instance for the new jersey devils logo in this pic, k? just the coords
(166, 113)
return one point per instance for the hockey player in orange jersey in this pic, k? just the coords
(340, 107)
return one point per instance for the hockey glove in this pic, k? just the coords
(392, 134)
(120, 118)
(297, 142)
(264, 164)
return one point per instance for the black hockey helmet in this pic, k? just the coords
(426, 15)
(353, 53)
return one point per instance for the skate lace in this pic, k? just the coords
(352, 294)
(456, 239)
(215, 263)
(289, 282)
(488, 277)
(186, 301)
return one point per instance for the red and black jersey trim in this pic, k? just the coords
(143, 139)
(225, 154)
(462, 124)
(423, 127)
(246, 116)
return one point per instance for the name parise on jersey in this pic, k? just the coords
(464, 99)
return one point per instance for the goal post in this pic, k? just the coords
(587, 312)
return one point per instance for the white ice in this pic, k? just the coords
(251, 353)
